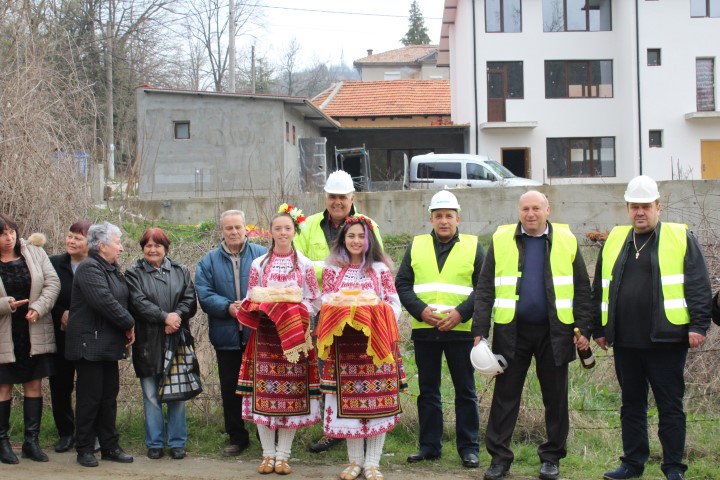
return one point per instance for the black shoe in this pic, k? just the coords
(470, 460)
(423, 455)
(549, 471)
(621, 473)
(496, 472)
(117, 455)
(155, 453)
(324, 444)
(177, 453)
(87, 460)
(65, 443)
(675, 476)
(234, 450)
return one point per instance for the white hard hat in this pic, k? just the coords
(444, 199)
(485, 361)
(642, 189)
(339, 182)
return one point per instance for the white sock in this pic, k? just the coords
(374, 450)
(284, 446)
(267, 440)
(356, 450)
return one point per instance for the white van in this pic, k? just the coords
(435, 171)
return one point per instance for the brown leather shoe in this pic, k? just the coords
(233, 450)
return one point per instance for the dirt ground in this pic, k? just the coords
(62, 466)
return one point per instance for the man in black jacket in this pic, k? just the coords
(652, 297)
(435, 285)
(535, 287)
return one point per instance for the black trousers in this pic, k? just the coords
(532, 341)
(98, 385)
(229, 362)
(663, 370)
(61, 388)
(428, 357)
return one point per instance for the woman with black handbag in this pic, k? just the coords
(162, 300)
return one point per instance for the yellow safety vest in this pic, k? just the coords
(449, 288)
(671, 254)
(562, 256)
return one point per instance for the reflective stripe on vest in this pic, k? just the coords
(446, 289)
(562, 256)
(672, 245)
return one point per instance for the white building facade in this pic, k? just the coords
(587, 91)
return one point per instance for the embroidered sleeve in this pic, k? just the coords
(388, 293)
(329, 282)
(254, 279)
(311, 289)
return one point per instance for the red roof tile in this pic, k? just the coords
(386, 98)
(409, 54)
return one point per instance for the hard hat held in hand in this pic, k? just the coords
(485, 361)
(444, 199)
(642, 189)
(339, 182)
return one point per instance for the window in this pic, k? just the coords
(581, 157)
(444, 170)
(578, 78)
(293, 135)
(287, 132)
(705, 84)
(577, 16)
(653, 57)
(509, 81)
(655, 138)
(503, 16)
(391, 76)
(705, 8)
(182, 130)
(478, 172)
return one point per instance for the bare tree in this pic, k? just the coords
(207, 23)
(288, 63)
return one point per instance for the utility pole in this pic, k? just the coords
(232, 46)
(252, 68)
(109, 127)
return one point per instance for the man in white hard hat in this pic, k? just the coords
(652, 300)
(321, 229)
(435, 285)
(534, 286)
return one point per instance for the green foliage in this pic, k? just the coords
(417, 33)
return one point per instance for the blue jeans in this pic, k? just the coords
(154, 420)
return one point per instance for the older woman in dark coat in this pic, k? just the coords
(100, 327)
(162, 300)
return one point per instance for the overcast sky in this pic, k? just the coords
(329, 29)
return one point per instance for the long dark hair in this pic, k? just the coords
(372, 252)
(269, 253)
(6, 223)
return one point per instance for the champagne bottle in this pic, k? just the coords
(586, 356)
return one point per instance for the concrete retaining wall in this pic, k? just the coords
(584, 207)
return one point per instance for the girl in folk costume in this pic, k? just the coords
(279, 376)
(363, 373)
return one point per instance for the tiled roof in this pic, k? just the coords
(410, 54)
(386, 98)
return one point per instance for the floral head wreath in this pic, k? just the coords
(360, 219)
(295, 213)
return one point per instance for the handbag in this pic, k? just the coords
(181, 369)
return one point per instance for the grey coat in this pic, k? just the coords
(44, 290)
(153, 295)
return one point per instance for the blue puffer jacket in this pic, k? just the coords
(215, 287)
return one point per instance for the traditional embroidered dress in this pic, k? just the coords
(279, 375)
(363, 373)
